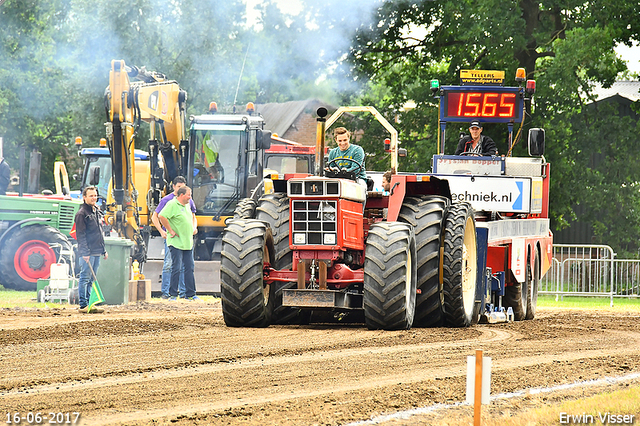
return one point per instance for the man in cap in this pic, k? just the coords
(476, 143)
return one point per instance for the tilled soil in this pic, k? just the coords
(177, 363)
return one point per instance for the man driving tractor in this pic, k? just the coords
(352, 154)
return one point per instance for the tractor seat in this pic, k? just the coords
(370, 183)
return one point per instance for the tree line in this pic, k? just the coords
(55, 58)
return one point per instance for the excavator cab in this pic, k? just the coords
(217, 155)
(224, 161)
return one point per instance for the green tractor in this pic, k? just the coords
(34, 233)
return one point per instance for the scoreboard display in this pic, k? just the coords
(490, 104)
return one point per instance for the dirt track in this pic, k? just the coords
(177, 363)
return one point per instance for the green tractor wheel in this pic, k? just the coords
(27, 255)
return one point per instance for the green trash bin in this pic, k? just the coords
(114, 273)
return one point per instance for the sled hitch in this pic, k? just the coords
(310, 298)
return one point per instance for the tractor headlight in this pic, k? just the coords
(330, 239)
(299, 238)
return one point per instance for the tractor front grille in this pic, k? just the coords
(66, 218)
(314, 222)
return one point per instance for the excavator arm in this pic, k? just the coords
(133, 96)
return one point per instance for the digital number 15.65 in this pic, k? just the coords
(482, 104)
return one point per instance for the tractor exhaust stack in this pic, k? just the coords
(320, 143)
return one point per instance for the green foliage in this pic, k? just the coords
(567, 48)
(33, 113)
(606, 154)
(55, 59)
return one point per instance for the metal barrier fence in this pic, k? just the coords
(590, 270)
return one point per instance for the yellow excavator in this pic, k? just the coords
(220, 155)
(135, 95)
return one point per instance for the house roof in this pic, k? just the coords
(627, 89)
(279, 117)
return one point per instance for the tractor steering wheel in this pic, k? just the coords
(333, 166)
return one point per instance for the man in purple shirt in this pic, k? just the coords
(178, 183)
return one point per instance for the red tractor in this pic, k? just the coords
(320, 247)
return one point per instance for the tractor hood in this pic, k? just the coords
(316, 186)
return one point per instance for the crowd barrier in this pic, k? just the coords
(590, 270)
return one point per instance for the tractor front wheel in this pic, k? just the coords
(247, 301)
(246, 209)
(274, 210)
(27, 256)
(390, 276)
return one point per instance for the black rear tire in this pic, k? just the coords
(534, 283)
(460, 267)
(390, 275)
(246, 300)
(516, 296)
(426, 215)
(274, 210)
(246, 209)
(27, 256)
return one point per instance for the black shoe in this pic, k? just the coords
(165, 297)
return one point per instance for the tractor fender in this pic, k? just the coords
(19, 224)
(412, 185)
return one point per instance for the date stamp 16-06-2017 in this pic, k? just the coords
(42, 418)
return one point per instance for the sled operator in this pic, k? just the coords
(476, 143)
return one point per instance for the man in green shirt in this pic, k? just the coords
(345, 149)
(179, 222)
